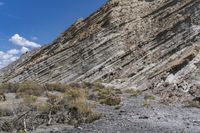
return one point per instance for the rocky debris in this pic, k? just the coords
(134, 117)
(144, 117)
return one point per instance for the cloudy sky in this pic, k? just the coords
(29, 24)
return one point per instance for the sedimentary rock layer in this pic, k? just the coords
(126, 43)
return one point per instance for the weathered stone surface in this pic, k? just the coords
(126, 43)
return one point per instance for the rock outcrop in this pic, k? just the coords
(126, 43)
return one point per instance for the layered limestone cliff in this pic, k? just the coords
(126, 43)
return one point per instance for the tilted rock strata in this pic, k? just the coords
(126, 43)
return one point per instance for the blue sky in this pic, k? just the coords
(28, 24)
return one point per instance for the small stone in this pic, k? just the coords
(80, 128)
(144, 117)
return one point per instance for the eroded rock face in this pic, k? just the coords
(126, 43)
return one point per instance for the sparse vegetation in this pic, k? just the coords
(93, 116)
(9, 87)
(29, 99)
(108, 96)
(112, 101)
(30, 88)
(61, 103)
(133, 93)
(55, 87)
(148, 99)
(21, 131)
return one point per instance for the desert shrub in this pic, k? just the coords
(77, 97)
(82, 106)
(108, 96)
(72, 106)
(111, 100)
(102, 94)
(55, 103)
(148, 100)
(53, 99)
(9, 87)
(93, 117)
(30, 88)
(75, 93)
(28, 102)
(149, 97)
(55, 87)
(79, 105)
(29, 99)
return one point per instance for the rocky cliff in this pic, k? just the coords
(126, 43)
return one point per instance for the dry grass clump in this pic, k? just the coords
(74, 102)
(102, 94)
(148, 99)
(108, 97)
(30, 88)
(9, 87)
(79, 105)
(74, 93)
(93, 117)
(133, 92)
(29, 99)
(55, 87)
(26, 87)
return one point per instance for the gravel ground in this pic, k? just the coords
(134, 117)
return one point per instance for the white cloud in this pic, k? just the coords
(18, 40)
(13, 51)
(24, 50)
(11, 55)
(8, 57)
(1, 3)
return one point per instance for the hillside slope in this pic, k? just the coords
(126, 43)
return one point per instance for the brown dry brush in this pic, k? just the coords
(72, 108)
